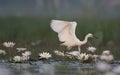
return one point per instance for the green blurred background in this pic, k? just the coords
(27, 22)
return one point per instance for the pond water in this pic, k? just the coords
(51, 68)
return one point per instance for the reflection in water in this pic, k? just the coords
(4, 70)
(54, 68)
(23, 69)
(46, 69)
(26, 73)
(26, 69)
(85, 71)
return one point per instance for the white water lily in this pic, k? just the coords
(8, 44)
(25, 58)
(59, 53)
(95, 57)
(26, 53)
(91, 49)
(2, 52)
(45, 55)
(83, 56)
(17, 58)
(106, 56)
(21, 49)
(106, 52)
(73, 53)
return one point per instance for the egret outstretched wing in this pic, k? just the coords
(66, 33)
(65, 30)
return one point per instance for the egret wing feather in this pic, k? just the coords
(65, 34)
(62, 28)
(72, 29)
(58, 25)
(66, 31)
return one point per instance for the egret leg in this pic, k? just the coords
(79, 49)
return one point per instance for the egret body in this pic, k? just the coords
(66, 33)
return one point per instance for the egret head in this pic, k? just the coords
(90, 35)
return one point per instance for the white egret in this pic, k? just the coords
(66, 33)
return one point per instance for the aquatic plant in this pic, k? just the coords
(91, 49)
(107, 56)
(21, 49)
(59, 53)
(83, 57)
(26, 53)
(73, 53)
(44, 55)
(9, 45)
(2, 52)
(17, 58)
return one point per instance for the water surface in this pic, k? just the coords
(48, 68)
